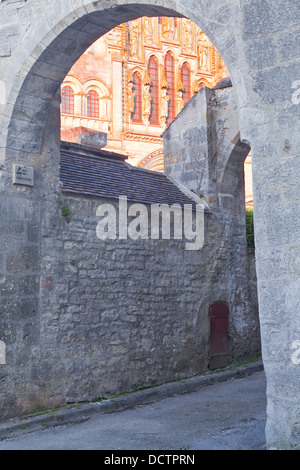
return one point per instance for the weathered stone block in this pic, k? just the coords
(85, 136)
(33, 233)
(261, 54)
(260, 18)
(275, 85)
(23, 259)
(5, 49)
(28, 285)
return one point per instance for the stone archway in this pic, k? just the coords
(153, 161)
(62, 40)
(44, 40)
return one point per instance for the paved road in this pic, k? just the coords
(228, 415)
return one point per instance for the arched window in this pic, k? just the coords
(137, 89)
(170, 77)
(153, 74)
(186, 80)
(93, 104)
(67, 100)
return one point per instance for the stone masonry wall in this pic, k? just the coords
(119, 314)
(204, 154)
(83, 318)
(109, 316)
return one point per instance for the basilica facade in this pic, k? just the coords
(133, 82)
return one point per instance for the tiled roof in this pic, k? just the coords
(105, 174)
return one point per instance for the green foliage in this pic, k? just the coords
(65, 211)
(250, 228)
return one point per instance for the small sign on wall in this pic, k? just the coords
(23, 175)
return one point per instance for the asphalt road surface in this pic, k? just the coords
(224, 416)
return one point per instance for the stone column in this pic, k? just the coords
(117, 109)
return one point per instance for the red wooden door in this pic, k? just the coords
(219, 343)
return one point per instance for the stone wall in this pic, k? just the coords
(204, 154)
(259, 43)
(83, 318)
(127, 313)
